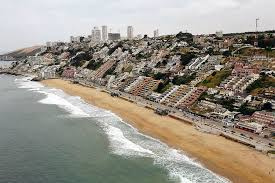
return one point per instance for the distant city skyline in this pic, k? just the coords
(29, 22)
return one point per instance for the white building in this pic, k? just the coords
(77, 39)
(96, 35)
(130, 32)
(219, 34)
(104, 33)
(197, 63)
(156, 33)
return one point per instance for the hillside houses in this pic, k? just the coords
(182, 72)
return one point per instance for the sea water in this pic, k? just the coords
(47, 136)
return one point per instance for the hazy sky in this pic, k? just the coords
(33, 22)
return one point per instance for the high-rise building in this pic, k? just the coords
(114, 36)
(77, 39)
(96, 35)
(104, 33)
(219, 34)
(156, 33)
(130, 32)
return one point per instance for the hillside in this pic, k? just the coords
(24, 52)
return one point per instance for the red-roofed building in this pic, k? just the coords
(242, 69)
(264, 117)
(69, 72)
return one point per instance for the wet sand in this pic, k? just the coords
(234, 161)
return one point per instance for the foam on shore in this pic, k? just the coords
(124, 139)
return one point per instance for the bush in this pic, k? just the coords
(160, 76)
(245, 110)
(163, 87)
(93, 65)
(186, 58)
(263, 82)
(179, 80)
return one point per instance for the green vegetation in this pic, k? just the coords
(142, 55)
(203, 96)
(186, 58)
(78, 63)
(227, 53)
(163, 87)
(262, 40)
(159, 76)
(267, 107)
(246, 110)
(128, 69)
(216, 78)
(185, 37)
(111, 71)
(93, 65)
(227, 103)
(271, 152)
(263, 82)
(252, 51)
(180, 80)
(112, 50)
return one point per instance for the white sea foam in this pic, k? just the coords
(125, 140)
(63, 103)
(126, 147)
(27, 84)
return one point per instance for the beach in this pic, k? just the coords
(234, 161)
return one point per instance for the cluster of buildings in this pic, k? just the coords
(103, 35)
(171, 71)
(257, 122)
(242, 76)
(142, 86)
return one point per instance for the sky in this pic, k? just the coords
(33, 22)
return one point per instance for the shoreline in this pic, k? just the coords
(229, 159)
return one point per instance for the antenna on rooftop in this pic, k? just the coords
(256, 33)
(257, 20)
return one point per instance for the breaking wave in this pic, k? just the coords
(125, 140)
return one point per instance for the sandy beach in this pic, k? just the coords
(234, 161)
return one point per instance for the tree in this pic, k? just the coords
(227, 103)
(186, 58)
(267, 106)
(227, 53)
(160, 76)
(179, 80)
(163, 86)
(185, 37)
(245, 110)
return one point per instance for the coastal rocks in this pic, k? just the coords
(36, 79)
(10, 73)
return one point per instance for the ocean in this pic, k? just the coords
(48, 136)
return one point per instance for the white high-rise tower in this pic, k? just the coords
(130, 32)
(156, 33)
(104, 33)
(96, 35)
